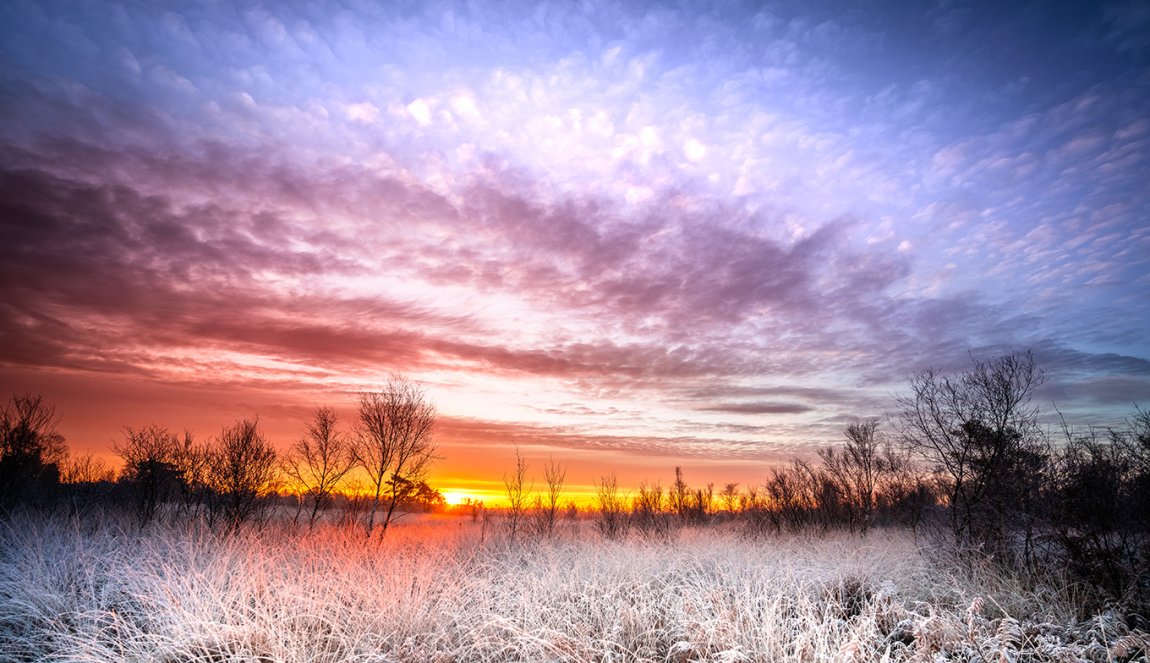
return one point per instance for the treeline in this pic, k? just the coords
(236, 477)
(863, 484)
(967, 465)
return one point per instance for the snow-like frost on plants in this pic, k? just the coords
(448, 590)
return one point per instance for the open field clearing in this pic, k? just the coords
(434, 591)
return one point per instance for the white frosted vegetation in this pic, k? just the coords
(436, 592)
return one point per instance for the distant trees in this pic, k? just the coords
(228, 481)
(225, 481)
(86, 469)
(393, 445)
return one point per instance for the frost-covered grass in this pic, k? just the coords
(101, 591)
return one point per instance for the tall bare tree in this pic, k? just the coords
(319, 460)
(612, 507)
(242, 471)
(393, 445)
(859, 468)
(979, 432)
(517, 493)
(555, 475)
(679, 495)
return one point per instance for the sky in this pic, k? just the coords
(626, 236)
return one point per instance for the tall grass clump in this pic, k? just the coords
(433, 591)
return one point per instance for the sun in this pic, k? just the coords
(455, 497)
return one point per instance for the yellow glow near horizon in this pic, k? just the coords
(456, 497)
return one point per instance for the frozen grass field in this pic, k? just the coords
(434, 591)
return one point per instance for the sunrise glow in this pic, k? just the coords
(456, 498)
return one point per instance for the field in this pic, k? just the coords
(448, 589)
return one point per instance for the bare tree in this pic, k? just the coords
(648, 509)
(825, 499)
(242, 471)
(555, 475)
(393, 445)
(517, 492)
(979, 433)
(612, 507)
(193, 461)
(702, 503)
(150, 471)
(793, 494)
(318, 461)
(679, 495)
(31, 451)
(859, 469)
(730, 496)
(750, 500)
(1099, 499)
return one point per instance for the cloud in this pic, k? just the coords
(365, 112)
(704, 216)
(689, 283)
(490, 434)
(104, 270)
(758, 408)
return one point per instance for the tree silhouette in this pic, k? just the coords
(648, 509)
(517, 490)
(612, 507)
(242, 470)
(319, 460)
(554, 475)
(979, 433)
(863, 469)
(1099, 494)
(393, 445)
(151, 472)
(31, 451)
